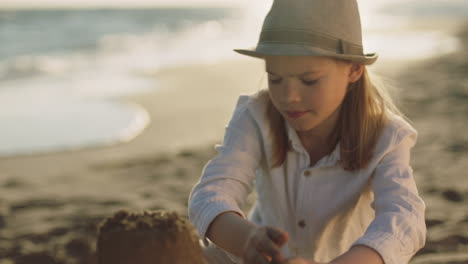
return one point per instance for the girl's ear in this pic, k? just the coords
(355, 72)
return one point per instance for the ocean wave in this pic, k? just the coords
(78, 124)
(193, 42)
(31, 66)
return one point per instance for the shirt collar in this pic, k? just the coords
(296, 144)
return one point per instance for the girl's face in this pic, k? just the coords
(307, 90)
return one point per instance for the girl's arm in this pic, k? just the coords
(356, 255)
(252, 243)
(230, 231)
(398, 230)
(359, 255)
(226, 181)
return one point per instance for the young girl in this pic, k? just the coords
(325, 148)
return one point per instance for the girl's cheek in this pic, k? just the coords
(276, 94)
(314, 94)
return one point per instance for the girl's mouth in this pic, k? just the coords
(295, 115)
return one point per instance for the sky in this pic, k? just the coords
(117, 3)
(252, 6)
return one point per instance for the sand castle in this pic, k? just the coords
(148, 238)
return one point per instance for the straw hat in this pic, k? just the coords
(329, 28)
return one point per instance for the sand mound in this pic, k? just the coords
(148, 237)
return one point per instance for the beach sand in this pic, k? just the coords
(50, 204)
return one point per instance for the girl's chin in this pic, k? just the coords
(302, 126)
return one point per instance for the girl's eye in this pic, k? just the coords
(309, 83)
(275, 81)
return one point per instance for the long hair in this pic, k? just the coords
(361, 120)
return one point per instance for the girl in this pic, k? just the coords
(327, 152)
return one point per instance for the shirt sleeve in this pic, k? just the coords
(398, 230)
(227, 179)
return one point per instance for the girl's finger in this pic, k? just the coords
(270, 249)
(278, 236)
(254, 257)
(259, 259)
(297, 261)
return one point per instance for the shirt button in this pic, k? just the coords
(307, 173)
(302, 224)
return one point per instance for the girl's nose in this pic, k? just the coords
(291, 92)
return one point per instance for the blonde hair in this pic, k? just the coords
(361, 120)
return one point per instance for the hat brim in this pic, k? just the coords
(262, 51)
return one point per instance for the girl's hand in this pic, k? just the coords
(301, 261)
(263, 246)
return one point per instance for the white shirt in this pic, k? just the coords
(324, 208)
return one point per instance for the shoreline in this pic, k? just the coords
(168, 102)
(134, 128)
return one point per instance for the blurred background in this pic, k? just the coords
(111, 104)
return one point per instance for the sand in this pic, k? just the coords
(148, 237)
(50, 204)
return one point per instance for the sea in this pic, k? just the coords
(62, 71)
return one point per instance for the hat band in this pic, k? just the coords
(310, 39)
